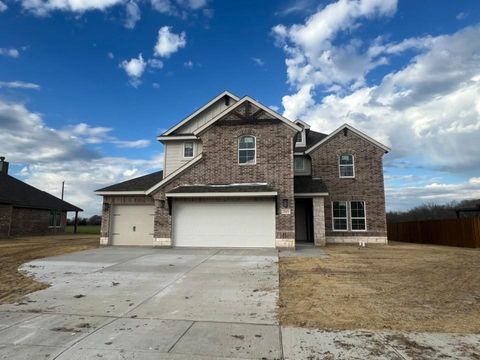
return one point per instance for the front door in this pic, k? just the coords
(303, 220)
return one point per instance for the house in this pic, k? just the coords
(26, 210)
(238, 174)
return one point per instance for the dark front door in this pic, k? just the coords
(303, 220)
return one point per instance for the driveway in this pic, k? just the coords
(139, 303)
(172, 303)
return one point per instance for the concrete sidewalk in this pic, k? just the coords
(140, 303)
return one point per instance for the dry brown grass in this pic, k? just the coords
(15, 252)
(407, 287)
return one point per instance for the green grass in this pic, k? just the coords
(85, 229)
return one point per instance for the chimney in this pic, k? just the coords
(3, 165)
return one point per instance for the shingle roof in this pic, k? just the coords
(305, 184)
(141, 183)
(223, 188)
(314, 137)
(18, 193)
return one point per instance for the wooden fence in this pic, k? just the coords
(463, 232)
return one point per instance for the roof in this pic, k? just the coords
(141, 183)
(223, 188)
(314, 137)
(198, 111)
(351, 128)
(20, 194)
(309, 185)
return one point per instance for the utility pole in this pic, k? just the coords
(63, 188)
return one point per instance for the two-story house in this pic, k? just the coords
(238, 174)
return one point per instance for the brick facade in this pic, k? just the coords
(25, 221)
(219, 165)
(367, 185)
(5, 220)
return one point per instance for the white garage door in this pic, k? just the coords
(132, 225)
(236, 223)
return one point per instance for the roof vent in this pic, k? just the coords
(3, 165)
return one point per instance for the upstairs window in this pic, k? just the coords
(188, 149)
(357, 215)
(339, 212)
(247, 150)
(299, 137)
(299, 163)
(346, 166)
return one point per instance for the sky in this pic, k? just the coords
(87, 85)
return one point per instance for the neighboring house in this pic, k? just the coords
(237, 174)
(26, 210)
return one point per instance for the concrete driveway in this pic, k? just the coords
(139, 303)
(114, 303)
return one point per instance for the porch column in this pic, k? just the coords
(319, 221)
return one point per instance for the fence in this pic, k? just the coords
(463, 232)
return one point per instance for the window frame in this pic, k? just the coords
(302, 134)
(345, 165)
(364, 216)
(295, 163)
(57, 215)
(346, 216)
(184, 148)
(254, 150)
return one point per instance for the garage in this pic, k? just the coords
(224, 222)
(132, 225)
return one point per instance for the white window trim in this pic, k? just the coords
(295, 163)
(353, 166)
(302, 142)
(365, 217)
(254, 149)
(193, 150)
(59, 212)
(346, 218)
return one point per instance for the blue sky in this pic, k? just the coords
(86, 85)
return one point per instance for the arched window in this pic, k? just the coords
(346, 166)
(247, 151)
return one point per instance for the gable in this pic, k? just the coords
(203, 114)
(249, 111)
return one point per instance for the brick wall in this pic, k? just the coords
(33, 222)
(5, 219)
(219, 165)
(367, 185)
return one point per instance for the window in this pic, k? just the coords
(346, 166)
(357, 215)
(299, 137)
(247, 150)
(299, 163)
(188, 149)
(55, 218)
(339, 211)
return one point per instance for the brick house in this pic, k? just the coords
(26, 210)
(238, 174)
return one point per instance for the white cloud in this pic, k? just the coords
(274, 108)
(169, 42)
(3, 7)
(312, 56)
(14, 53)
(43, 7)
(404, 197)
(155, 63)
(18, 85)
(136, 144)
(156, 85)
(461, 15)
(258, 61)
(133, 14)
(180, 8)
(110, 55)
(429, 109)
(188, 64)
(134, 68)
(49, 156)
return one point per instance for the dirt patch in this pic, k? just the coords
(14, 252)
(405, 287)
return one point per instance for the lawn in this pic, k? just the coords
(84, 229)
(14, 252)
(406, 287)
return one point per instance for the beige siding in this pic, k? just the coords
(204, 117)
(174, 155)
(307, 168)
